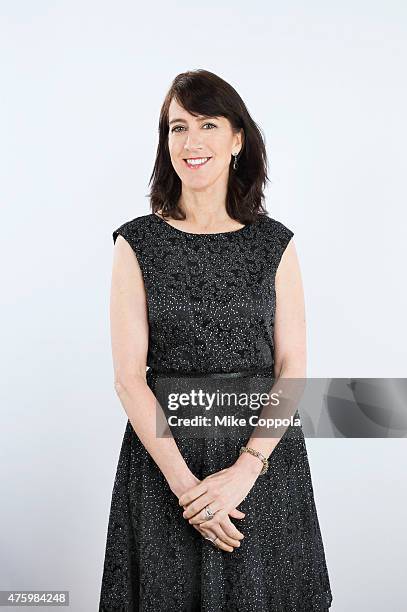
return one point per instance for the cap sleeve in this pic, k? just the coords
(131, 232)
(120, 231)
(282, 235)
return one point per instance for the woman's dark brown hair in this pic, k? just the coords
(205, 93)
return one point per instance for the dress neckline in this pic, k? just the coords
(175, 229)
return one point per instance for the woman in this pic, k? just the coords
(208, 285)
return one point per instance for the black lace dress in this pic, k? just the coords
(211, 307)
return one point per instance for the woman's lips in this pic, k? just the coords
(196, 166)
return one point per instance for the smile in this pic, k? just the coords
(196, 163)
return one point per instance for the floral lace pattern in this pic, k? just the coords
(211, 308)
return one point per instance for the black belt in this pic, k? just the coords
(257, 372)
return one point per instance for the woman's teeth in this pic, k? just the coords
(194, 163)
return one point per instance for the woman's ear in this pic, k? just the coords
(242, 138)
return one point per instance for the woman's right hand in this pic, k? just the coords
(228, 535)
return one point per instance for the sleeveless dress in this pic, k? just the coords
(211, 308)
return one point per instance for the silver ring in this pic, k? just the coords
(212, 541)
(208, 513)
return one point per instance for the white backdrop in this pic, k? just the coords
(82, 83)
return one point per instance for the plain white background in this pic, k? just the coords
(82, 84)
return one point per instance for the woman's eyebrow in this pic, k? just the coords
(196, 118)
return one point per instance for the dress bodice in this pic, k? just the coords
(211, 297)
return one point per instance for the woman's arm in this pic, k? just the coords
(129, 332)
(290, 356)
(289, 346)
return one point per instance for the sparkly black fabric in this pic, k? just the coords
(211, 307)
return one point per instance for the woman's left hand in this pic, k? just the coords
(222, 491)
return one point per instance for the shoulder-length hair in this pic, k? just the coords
(205, 93)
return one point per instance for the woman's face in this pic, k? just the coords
(197, 139)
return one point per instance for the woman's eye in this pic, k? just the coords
(178, 127)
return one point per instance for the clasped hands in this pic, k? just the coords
(223, 491)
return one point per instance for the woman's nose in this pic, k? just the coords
(192, 142)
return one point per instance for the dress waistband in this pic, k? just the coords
(241, 373)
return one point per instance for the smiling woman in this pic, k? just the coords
(201, 145)
(202, 116)
(207, 286)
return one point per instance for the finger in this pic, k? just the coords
(222, 535)
(192, 494)
(197, 505)
(237, 513)
(201, 516)
(219, 543)
(230, 529)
